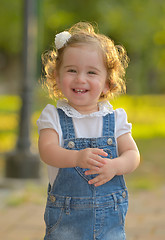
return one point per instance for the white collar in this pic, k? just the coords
(104, 108)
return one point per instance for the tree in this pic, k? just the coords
(138, 25)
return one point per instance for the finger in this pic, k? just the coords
(96, 162)
(100, 183)
(95, 180)
(99, 151)
(98, 158)
(92, 171)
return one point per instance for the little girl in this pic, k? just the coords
(84, 140)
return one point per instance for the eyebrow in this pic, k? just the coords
(90, 67)
(95, 68)
(68, 66)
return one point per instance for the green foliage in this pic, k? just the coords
(146, 113)
(9, 103)
(11, 14)
(138, 25)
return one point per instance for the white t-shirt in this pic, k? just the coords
(85, 126)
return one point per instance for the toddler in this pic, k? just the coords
(82, 139)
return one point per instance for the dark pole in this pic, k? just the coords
(22, 163)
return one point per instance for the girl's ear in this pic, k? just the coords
(106, 87)
(56, 76)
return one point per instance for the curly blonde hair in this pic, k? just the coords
(115, 57)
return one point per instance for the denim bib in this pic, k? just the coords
(90, 208)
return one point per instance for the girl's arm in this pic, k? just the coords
(52, 154)
(129, 157)
(127, 161)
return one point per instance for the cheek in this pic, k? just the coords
(61, 80)
(97, 88)
(65, 85)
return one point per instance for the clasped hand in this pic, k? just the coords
(103, 167)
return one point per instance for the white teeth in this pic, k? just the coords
(79, 90)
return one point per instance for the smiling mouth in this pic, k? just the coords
(80, 90)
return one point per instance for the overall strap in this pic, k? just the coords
(108, 125)
(66, 125)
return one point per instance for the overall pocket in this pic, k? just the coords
(123, 208)
(52, 217)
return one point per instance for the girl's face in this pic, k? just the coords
(82, 77)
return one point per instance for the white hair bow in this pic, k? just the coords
(61, 39)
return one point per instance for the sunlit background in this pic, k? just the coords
(139, 26)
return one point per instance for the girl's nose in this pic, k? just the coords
(80, 78)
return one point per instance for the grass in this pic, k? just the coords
(30, 192)
(146, 113)
(150, 173)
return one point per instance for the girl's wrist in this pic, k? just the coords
(117, 165)
(76, 158)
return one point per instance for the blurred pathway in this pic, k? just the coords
(145, 218)
(146, 215)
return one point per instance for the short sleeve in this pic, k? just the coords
(122, 126)
(48, 119)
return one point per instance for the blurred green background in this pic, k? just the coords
(138, 25)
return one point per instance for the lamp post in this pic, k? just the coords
(22, 163)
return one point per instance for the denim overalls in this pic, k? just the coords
(76, 210)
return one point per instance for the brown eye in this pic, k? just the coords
(91, 72)
(72, 70)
